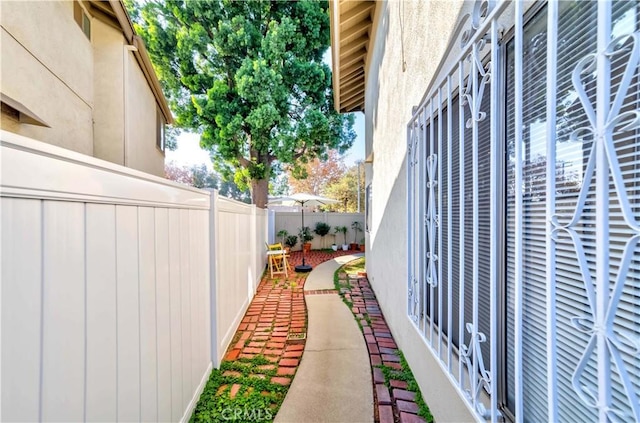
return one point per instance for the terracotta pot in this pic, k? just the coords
(307, 247)
(361, 247)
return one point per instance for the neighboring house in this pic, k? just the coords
(503, 199)
(75, 74)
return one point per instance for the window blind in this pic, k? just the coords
(577, 30)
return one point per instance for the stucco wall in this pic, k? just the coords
(108, 56)
(92, 93)
(140, 122)
(46, 68)
(409, 34)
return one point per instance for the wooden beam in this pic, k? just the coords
(359, 12)
(351, 105)
(356, 57)
(353, 32)
(348, 90)
(345, 83)
(358, 96)
(354, 45)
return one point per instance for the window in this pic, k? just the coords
(506, 214)
(82, 19)
(160, 130)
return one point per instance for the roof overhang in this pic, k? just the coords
(114, 13)
(351, 37)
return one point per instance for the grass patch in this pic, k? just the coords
(354, 266)
(257, 399)
(407, 376)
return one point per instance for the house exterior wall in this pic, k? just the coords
(108, 57)
(46, 68)
(391, 94)
(92, 93)
(140, 122)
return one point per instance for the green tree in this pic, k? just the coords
(203, 178)
(248, 75)
(345, 190)
(315, 175)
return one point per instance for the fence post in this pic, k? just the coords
(271, 226)
(213, 218)
(254, 250)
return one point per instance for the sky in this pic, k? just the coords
(189, 152)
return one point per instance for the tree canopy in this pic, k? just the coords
(317, 174)
(248, 75)
(199, 176)
(345, 190)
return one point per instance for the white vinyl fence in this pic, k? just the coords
(240, 236)
(107, 276)
(292, 222)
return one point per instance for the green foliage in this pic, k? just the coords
(357, 227)
(354, 266)
(341, 230)
(283, 234)
(202, 178)
(291, 241)
(322, 228)
(345, 190)
(406, 375)
(304, 234)
(258, 397)
(248, 75)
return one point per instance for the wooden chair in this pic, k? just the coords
(277, 259)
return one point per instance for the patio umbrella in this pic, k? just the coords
(305, 200)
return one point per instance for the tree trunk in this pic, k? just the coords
(260, 192)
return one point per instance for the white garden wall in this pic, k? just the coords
(292, 222)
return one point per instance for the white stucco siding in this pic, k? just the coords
(47, 30)
(26, 79)
(108, 108)
(417, 33)
(140, 122)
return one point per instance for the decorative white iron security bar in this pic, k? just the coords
(479, 63)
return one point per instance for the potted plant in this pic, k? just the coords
(321, 230)
(305, 236)
(343, 230)
(362, 244)
(334, 247)
(356, 226)
(283, 234)
(291, 241)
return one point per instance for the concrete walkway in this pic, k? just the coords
(333, 382)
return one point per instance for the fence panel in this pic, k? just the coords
(239, 262)
(105, 279)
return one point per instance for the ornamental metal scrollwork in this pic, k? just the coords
(432, 221)
(481, 10)
(592, 324)
(414, 299)
(473, 351)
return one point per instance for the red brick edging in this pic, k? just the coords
(393, 402)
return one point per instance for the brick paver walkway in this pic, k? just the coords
(394, 403)
(275, 323)
(273, 330)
